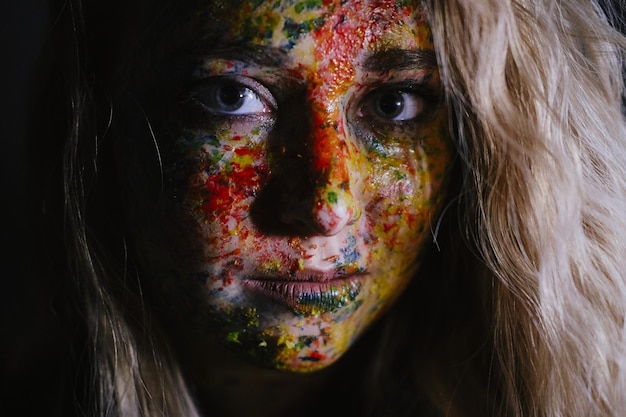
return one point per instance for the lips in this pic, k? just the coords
(310, 292)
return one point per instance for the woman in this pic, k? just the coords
(348, 207)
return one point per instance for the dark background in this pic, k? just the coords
(30, 331)
(32, 339)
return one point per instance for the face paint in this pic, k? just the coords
(300, 177)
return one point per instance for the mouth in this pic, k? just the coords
(310, 293)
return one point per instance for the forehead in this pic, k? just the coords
(286, 24)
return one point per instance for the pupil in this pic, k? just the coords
(390, 105)
(231, 97)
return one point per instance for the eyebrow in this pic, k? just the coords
(400, 59)
(261, 55)
(380, 61)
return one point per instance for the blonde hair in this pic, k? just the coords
(535, 90)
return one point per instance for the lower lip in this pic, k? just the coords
(310, 297)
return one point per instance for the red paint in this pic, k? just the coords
(225, 190)
(218, 195)
(246, 151)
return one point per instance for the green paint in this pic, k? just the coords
(263, 348)
(227, 167)
(215, 156)
(198, 138)
(331, 300)
(211, 140)
(351, 308)
(332, 197)
(307, 5)
(293, 30)
(233, 337)
(401, 176)
(305, 342)
(251, 317)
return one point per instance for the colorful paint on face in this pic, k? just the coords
(302, 176)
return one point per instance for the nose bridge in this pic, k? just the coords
(328, 148)
(332, 166)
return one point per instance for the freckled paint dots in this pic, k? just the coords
(350, 253)
(378, 176)
(293, 30)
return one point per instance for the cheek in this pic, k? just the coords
(397, 217)
(218, 192)
(408, 189)
(216, 178)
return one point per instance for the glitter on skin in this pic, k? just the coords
(373, 184)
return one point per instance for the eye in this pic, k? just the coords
(394, 105)
(227, 97)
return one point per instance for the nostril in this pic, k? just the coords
(296, 214)
(322, 216)
(291, 218)
(356, 214)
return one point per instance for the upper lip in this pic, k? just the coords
(310, 275)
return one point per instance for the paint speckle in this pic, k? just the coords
(233, 337)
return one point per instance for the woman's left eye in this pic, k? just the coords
(393, 105)
(226, 97)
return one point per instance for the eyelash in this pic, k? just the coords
(214, 94)
(249, 98)
(392, 105)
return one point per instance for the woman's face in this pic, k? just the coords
(300, 174)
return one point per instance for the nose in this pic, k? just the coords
(333, 174)
(334, 206)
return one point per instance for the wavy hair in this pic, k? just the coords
(535, 230)
(536, 88)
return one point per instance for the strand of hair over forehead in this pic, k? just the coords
(536, 86)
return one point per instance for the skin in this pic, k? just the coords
(298, 179)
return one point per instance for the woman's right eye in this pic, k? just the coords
(226, 97)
